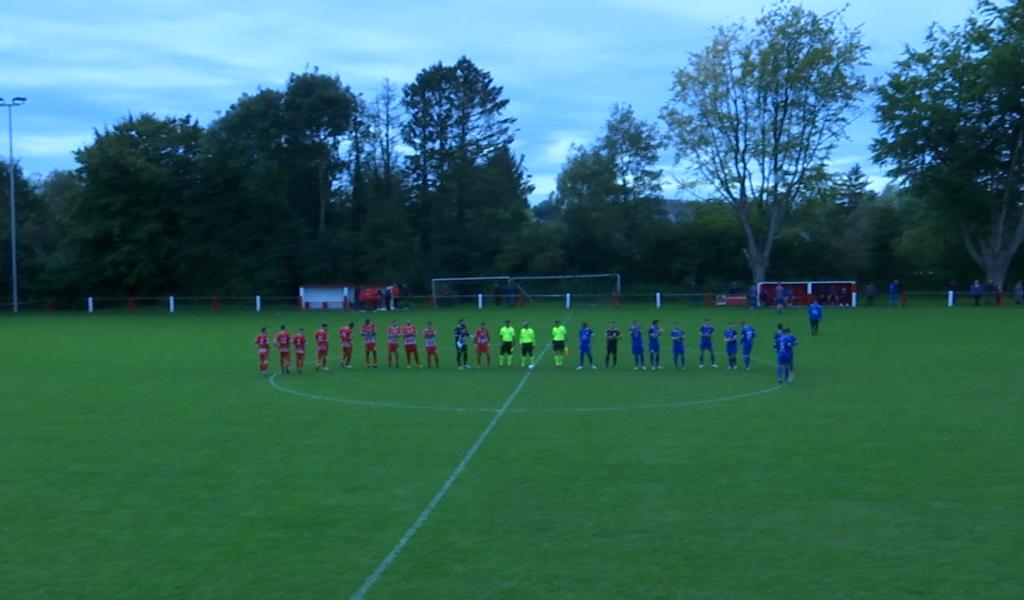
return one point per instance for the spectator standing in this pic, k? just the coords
(976, 292)
(894, 293)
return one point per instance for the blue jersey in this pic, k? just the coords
(677, 341)
(814, 311)
(730, 339)
(706, 331)
(637, 336)
(654, 335)
(585, 334)
(748, 334)
(784, 345)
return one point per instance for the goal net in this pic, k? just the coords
(802, 293)
(517, 290)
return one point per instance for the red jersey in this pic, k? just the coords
(321, 339)
(393, 333)
(409, 331)
(263, 343)
(482, 337)
(345, 333)
(369, 333)
(430, 337)
(300, 343)
(282, 340)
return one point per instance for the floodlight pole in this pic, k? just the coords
(17, 101)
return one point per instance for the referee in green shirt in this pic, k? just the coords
(558, 334)
(507, 333)
(527, 337)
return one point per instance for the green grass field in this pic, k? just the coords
(144, 456)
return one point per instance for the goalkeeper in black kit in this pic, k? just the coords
(611, 354)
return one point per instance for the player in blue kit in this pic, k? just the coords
(815, 312)
(784, 346)
(586, 333)
(678, 350)
(706, 343)
(747, 335)
(731, 339)
(654, 344)
(636, 335)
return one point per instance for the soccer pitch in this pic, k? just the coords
(142, 455)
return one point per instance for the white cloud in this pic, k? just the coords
(562, 64)
(544, 185)
(50, 145)
(556, 150)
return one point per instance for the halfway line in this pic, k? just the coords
(390, 558)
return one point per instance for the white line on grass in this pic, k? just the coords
(441, 493)
(569, 409)
(281, 388)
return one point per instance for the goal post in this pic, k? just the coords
(514, 290)
(456, 290)
(802, 293)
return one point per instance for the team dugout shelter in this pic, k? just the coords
(369, 296)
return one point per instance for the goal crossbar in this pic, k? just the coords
(510, 280)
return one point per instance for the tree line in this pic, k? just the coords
(313, 183)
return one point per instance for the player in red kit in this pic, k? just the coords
(411, 351)
(283, 343)
(299, 341)
(369, 333)
(482, 338)
(430, 343)
(321, 348)
(345, 333)
(393, 332)
(263, 346)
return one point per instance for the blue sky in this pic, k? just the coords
(86, 65)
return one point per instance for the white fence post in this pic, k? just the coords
(479, 300)
(853, 300)
(170, 304)
(657, 300)
(90, 305)
(950, 298)
(259, 304)
(568, 301)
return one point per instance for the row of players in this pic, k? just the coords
(784, 345)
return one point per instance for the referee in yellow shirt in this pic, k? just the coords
(558, 335)
(507, 334)
(527, 337)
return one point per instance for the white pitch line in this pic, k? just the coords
(441, 493)
(628, 407)
(577, 409)
(281, 388)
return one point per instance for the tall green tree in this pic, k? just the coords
(951, 122)
(38, 237)
(379, 193)
(318, 111)
(609, 196)
(242, 201)
(455, 123)
(269, 183)
(129, 218)
(758, 112)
